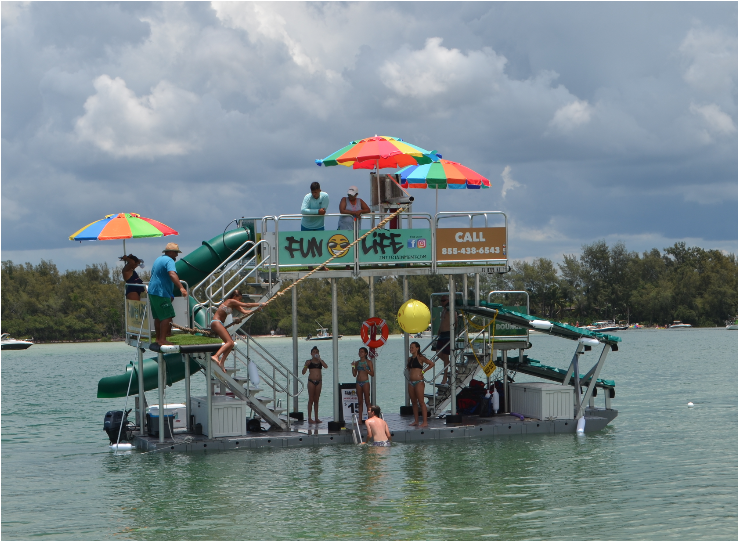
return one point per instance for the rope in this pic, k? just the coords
(293, 284)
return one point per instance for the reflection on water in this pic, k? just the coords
(661, 470)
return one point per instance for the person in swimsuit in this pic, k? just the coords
(362, 369)
(133, 292)
(376, 429)
(443, 342)
(315, 381)
(233, 302)
(415, 383)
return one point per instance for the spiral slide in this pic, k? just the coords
(192, 268)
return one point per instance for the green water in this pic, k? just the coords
(660, 470)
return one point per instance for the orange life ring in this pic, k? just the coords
(382, 332)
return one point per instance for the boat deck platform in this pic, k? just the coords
(303, 434)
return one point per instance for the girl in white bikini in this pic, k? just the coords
(218, 324)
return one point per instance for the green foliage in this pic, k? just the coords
(693, 285)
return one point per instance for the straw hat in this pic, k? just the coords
(172, 247)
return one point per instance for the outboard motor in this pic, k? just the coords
(113, 420)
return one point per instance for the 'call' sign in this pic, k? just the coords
(471, 244)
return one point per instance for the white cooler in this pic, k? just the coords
(542, 400)
(178, 411)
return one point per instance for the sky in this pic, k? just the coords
(592, 121)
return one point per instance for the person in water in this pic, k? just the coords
(362, 369)
(415, 383)
(376, 429)
(233, 302)
(130, 276)
(315, 381)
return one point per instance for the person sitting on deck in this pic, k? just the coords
(362, 369)
(352, 207)
(313, 209)
(376, 429)
(218, 324)
(161, 292)
(130, 276)
(315, 381)
(416, 383)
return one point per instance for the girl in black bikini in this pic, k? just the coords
(415, 383)
(133, 292)
(362, 369)
(315, 381)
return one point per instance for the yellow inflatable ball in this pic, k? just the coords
(413, 317)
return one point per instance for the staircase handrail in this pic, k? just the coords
(217, 269)
(208, 291)
(275, 364)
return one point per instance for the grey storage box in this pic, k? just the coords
(542, 400)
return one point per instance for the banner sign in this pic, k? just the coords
(470, 243)
(503, 329)
(396, 246)
(315, 247)
(135, 315)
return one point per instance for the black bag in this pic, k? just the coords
(254, 425)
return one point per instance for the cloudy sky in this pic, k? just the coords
(611, 121)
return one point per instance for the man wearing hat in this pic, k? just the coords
(161, 291)
(352, 207)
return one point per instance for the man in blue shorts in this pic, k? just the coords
(161, 292)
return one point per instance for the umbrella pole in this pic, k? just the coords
(124, 246)
(436, 201)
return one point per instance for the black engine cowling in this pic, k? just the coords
(112, 426)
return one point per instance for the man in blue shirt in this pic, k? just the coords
(161, 292)
(313, 209)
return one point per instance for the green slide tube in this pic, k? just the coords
(116, 386)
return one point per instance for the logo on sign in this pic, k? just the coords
(421, 243)
(416, 243)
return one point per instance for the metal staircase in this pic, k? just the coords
(252, 275)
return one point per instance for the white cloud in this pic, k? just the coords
(437, 70)
(570, 116)
(10, 11)
(717, 121)
(713, 57)
(124, 125)
(508, 183)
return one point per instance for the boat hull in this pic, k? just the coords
(17, 345)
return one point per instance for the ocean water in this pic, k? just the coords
(659, 471)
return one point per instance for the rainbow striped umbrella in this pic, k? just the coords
(378, 151)
(123, 226)
(442, 174)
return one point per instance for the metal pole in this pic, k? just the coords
(295, 406)
(504, 380)
(452, 338)
(465, 285)
(209, 378)
(141, 393)
(336, 383)
(476, 289)
(188, 411)
(161, 396)
(405, 336)
(371, 314)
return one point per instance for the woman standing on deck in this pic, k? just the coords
(315, 381)
(362, 369)
(415, 383)
(218, 324)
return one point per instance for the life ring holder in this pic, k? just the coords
(382, 333)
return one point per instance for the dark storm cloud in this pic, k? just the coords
(609, 120)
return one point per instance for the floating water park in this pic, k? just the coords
(253, 399)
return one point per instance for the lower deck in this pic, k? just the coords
(303, 434)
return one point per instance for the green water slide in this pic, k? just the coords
(192, 268)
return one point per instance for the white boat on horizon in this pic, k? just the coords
(605, 326)
(11, 343)
(679, 325)
(732, 326)
(322, 334)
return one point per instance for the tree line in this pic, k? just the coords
(690, 284)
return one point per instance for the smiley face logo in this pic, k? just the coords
(338, 244)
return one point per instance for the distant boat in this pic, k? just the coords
(12, 343)
(679, 325)
(732, 326)
(605, 326)
(322, 334)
